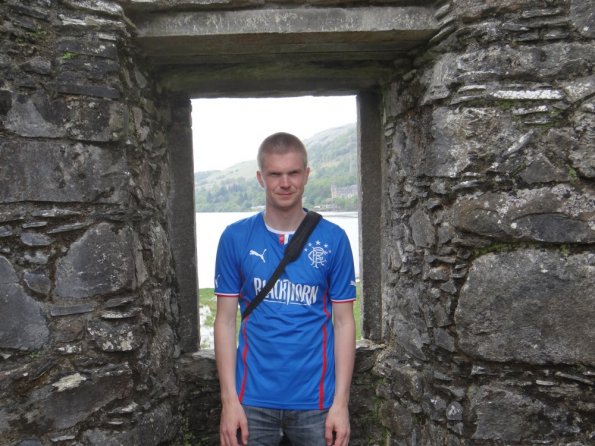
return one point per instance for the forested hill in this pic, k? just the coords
(333, 162)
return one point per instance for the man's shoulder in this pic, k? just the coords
(244, 224)
(247, 220)
(328, 225)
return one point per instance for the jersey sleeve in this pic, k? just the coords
(227, 266)
(342, 274)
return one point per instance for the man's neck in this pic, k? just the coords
(284, 221)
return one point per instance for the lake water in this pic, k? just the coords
(210, 225)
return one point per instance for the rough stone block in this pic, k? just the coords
(39, 65)
(541, 170)
(86, 89)
(506, 415)
(397, 418)
(29, 442)
(115, 336)
(529, 306)
(456, 140)
(7, 272)
(33, 239)
(5, 101)
(22, 323)
(582, 157)
(85, 119)
(406, 381)
(100, 437)
(36, 116)
(79, 69)
(96, 120)
(159, 426)
(38, 282)
(161, 353)
(411, 337)
(65, 403)
(422, 230)
(545, 215)
(50, 171)
(440, 79)
(161, 255)
(501, 63)
(471, 10)
(104, 260)
(583, 17)
(87, 47)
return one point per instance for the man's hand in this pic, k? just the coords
(233, 419)
(337, 427)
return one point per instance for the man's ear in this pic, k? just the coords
(259, 178)
(307, 175)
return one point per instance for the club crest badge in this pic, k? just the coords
(317, 253)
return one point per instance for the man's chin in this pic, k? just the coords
(285, 205)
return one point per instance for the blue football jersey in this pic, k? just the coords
(285, 357)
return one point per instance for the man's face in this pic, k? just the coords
(283, 178)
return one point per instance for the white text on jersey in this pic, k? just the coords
(287, 292)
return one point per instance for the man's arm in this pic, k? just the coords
(338, 417)
(232, 413)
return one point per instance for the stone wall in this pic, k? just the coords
(488, 291)
(88, 319)
(487, 234)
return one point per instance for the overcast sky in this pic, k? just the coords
(226, 131)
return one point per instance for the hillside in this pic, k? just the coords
(333, 161)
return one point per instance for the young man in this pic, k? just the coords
(291, 372)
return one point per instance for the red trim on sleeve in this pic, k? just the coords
(324, 358)
(244, 361)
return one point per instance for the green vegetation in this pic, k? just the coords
(572, 175)
(333, 160)
(206, 298)
(494, 247)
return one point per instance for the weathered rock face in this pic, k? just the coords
(65, 173)
(22, 322)
(104, 260)
(488, 231)
(486, 237)
(88, 320)
(528, 306)
(560, 214)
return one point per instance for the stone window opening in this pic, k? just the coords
(367, 133)
(266, 51)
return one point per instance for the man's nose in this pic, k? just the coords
(284, 181)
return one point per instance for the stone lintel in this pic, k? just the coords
(146, 6)
(275, 79)
(286, 21)
(278, 32)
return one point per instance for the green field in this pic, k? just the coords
(206, 298)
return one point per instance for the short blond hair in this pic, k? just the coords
(281, 143)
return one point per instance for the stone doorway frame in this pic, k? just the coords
(370, 190)
(287, 51)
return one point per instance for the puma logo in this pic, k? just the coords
(254, 253)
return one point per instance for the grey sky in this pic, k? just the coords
(227, 131)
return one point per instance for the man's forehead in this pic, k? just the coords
(278, 160)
